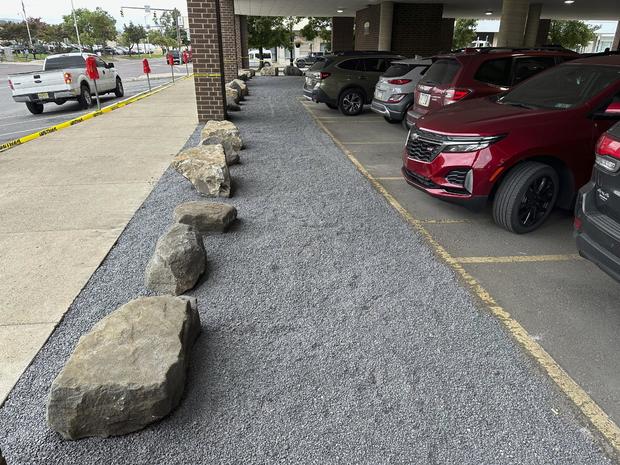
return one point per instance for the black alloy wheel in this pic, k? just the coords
(351, 102)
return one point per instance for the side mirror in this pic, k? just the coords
(110, 65)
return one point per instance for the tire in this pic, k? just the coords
(34, 107)
(119, 91)
(351, 102)
(85, 99)
(332, 106)
(301, 64)
(60, 101)
(526, 197)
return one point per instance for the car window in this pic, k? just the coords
(496, 72)
(563, 87)
(376, 65)
(100, 63)
(398, 69)
(65, 62)
(352, 65)
(441, 72)
(527, 67)
(320, 64)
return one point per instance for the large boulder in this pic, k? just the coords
(128, 371)
(226, 134)
(178, 261)
(248, 72)
(240, 86)
(269, 71)
(231, 105)
(206, 217)
(293, 71)
(206, 168)
(233, 94)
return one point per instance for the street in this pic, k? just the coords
(16, 121)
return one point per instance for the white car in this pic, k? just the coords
(64, 78)
(254, 56)
(394, 91)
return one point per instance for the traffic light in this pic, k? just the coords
(122, 14)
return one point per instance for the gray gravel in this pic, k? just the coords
(332, 335)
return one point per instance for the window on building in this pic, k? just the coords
(367, 28)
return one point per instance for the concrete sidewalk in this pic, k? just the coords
(65, 199)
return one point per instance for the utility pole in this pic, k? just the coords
(77, 32)
(27, 25)
(147, 8)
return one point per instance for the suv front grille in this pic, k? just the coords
(423, 145)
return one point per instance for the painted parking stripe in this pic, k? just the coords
(519, 259)
(596, 416)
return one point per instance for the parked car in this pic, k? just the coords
(109, 51)
(308, 60)
(527, 150)
(597, 211)
(347, 80)
(478, 72)
(176, 56)
(64, 78)
(394, 93)
(254, 58)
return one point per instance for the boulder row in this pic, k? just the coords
(269, 71)
(240, 86)
(293, 71)
(128, 371)
(178, 261)
(226, 134)
(206, 217)
(206, 168)
(233, 94)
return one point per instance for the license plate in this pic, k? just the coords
(43, 95)
(424, 99)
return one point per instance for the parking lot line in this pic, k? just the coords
(595, 415)
(519, 259)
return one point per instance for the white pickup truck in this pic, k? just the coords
(64, 78)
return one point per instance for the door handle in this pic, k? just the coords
(364, 78)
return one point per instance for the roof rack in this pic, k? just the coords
(600, 54)
(363, 52)
(508, 49)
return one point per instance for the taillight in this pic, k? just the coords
(324, 75)
(67, 77)
(453, 95)
(608, 153)
(399, 82)
(11, 85)
(577, 223)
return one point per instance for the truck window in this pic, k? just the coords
(64, 62)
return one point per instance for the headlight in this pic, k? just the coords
(469, 145)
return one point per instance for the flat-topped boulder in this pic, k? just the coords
(206, 217)
(128, 371)
(240, 86)
(206, 168)
(269, 71)
(291, 70)
(178, 261)
(226, 134)
(233, 94)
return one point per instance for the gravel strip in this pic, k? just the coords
(331, 333)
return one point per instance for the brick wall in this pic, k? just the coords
(229, 44)
(342, 33)
(542, 37)
(207, 57)
(243, 31)
(367, 39)
(447, 34)
(417, 29)
(238, 41)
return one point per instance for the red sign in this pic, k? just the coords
(170, 59)
(91, 68)
(146, 67)
(185, 57)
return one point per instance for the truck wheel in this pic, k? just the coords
(60, 101)
(526, 197)
(34, 108)
(85, 99)
(119, 91)
(351, 102)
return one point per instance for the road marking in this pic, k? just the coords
(580, 398)
(443, 221)
(519, 259)
(389, 178)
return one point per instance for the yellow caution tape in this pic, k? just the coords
(207, 74)
(72, 122)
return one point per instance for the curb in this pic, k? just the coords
(72, 122)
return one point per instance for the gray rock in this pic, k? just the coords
(226, 134)
(233, 94)
(178, 261)
(240, 86)
(293, 71)
(2, 461)
(206, 217)
(269, 71)
(231, 105)
(127, 372)
(206, 168)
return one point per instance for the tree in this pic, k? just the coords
(267, 32)
(96, 26)
(53, 34)
(289, 24)
(19, 33)
(160, 39)
(133, 34)
(318, 27)
(571, 34)
(168, 20)
(464, 32)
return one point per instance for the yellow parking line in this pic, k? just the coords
(588, 407)
(389, 178)
(443, 221)
(372, 142)
(519, 259)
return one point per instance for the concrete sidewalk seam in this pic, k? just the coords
(595, 415)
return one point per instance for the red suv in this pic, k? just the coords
(479, 72)
(527, 149)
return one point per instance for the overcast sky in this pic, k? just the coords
(51, 11)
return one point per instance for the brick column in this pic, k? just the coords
(532, 25)
(243, 36)
(544, 26)
(208, 60)
(512, 24)
(616, 43)
(367, 28)
(229, 46)
(386, 18)
(418, 29)
(447, 34)
(238, 41)
(342, 33)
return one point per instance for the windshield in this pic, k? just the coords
(75, 61)
(562, 87)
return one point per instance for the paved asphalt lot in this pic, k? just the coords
(16, 121)
(331, 332)
(566, 303)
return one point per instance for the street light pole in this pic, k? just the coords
(77, 32)
(27, 25)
